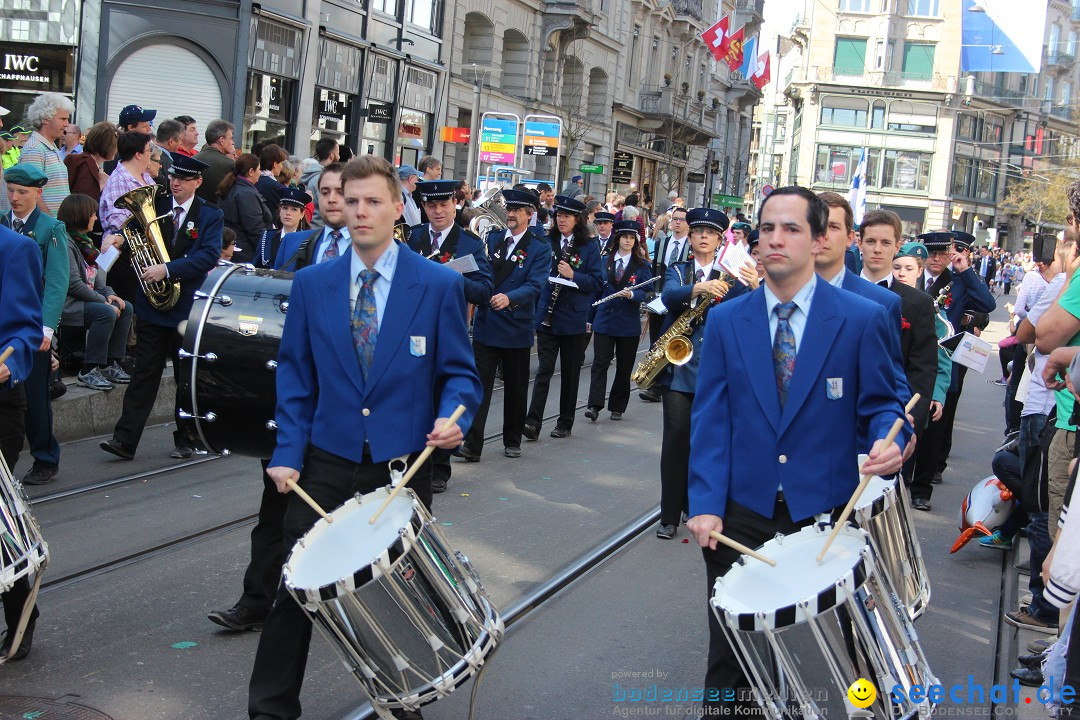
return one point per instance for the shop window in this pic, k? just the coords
(844, 112)
(905, 170)
(836, 164)
(961, 179)
(850, 56)
(516, 64)
(479, 41)
(877, 115)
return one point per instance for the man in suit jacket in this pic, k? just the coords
(604, 222)
(193, 236)
(795, 376)
(21, 329)
(388, 329)
(879, 241)
(442, 240)
(674, 249)
(503, 327)
(310, 247)
(987, 266)
(24, 183)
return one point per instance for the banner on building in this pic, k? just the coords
(716, 39)
(1003, 36)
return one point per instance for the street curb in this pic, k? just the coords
(84, 413)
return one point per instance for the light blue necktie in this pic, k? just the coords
(783, 349)
(365, 320)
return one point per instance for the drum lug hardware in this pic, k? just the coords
(208, 417)
(284, 306)
(271, 425)
(271, 365)
(224, 300)
(208, 357)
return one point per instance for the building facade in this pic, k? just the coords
(885, 76)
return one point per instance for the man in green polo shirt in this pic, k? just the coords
(49, 114)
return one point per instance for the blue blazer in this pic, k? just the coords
(290, 244)
(678, 291)
(459, 243)
(423, 366)
(621, 317)
(200, 255)
(521, 281)
(571, 312)
(743, 446)
(891, 302)
(20, 297)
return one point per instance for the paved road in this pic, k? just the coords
(131, 639)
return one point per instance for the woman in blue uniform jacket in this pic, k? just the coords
(617, 324)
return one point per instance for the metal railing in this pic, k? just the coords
(687, 7)
(755, 6)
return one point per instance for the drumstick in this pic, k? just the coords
(735, 544)
(291, 482)
(891, 437)
(911, 403)
(416, 465)
(6, 354)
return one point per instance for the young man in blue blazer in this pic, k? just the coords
(503, 326)
(394, 362)
(326, 242)
(796, 373)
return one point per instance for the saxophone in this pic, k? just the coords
(143, 235)
(674, 346)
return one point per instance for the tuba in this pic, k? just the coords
(143, 235)
(490, 212)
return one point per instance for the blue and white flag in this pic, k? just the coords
(750, 54)
(857, 196)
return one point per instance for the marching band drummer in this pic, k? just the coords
(388, 330)
(770, 450)
(441, 240)
(21, 329)
(617, 324)
(503, 327)
(686, 282)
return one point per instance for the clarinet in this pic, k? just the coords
(546, 322)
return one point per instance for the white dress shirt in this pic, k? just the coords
(512, 242)
(888, 279)
(798, 318)
(325, 240)
(385, 266)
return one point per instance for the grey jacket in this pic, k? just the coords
(79, 290)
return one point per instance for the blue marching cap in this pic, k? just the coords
(752, 238)
(707, 217)
(520, 198)
(26, 175)
(436, 190)
(295, 197)
(625, 227)
(936, 241)
(186, 167)
(603, 216)
(132, 114)
(569, 205)
(963, 240)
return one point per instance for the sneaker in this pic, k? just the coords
(1026, 599)
(1021, 619)
(94, 380)
(115, 374)
(1000, 383)
(665, 532)
(997, 541)
(1041, 645)
(40, 474)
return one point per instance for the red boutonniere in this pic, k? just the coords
(904, 324)
(444, 258)
(948, 300)
(519, 257)
(575, 260)
(191, 231)
(632, 280)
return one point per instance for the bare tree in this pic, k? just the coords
(582, 108)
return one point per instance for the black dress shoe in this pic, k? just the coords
(936, 480)
(238, 617)
(649, 395)
(40, 474)
(182, 452)
(665, 532)
(560, 432)
(1027, 676)
(401, 714)
(512, 452)
(1033, 661)
(438, 485)
(616, 416)
(592, 413)
(920, 503)
(530, 432)
(24, 646)
(114, 446)
(468, 455)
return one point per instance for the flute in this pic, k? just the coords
(612, 296)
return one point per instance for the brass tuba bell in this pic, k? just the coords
(143, 235)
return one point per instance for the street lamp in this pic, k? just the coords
(479, 77)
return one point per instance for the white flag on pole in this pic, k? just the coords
(857, 195)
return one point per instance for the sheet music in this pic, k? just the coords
(464, 264)
(656, 307)
(562, 281)
(732, 257)
(108, 258)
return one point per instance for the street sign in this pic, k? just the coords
(695, 177)
(592, 169)
(728, 201)
(498, 140)
(542, 136)
(766, 190)
(454, 134)
(622, 168)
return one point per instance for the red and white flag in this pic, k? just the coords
(734, 55)
(716, 39)
(760, 75)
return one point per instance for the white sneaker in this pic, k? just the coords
(115, 374)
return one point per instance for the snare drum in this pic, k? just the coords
(229, 359)
(23, 550)
(804, 631)
(406, 612)
(883, 512)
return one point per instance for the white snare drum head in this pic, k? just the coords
(753, 587)
(331, 552)
(878, 491)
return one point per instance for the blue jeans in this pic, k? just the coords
(106, 332)
(1038, 531)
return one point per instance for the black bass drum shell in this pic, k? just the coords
(228, 366)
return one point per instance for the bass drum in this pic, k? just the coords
(229, 359)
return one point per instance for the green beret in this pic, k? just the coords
(26, 175)
(5, 135)
(19, 130)
(913, 249)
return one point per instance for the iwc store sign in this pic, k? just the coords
(270, 97)
(38, 68)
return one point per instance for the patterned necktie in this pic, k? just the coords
(178, 216)
(435, 241)
(673, 256)
(619, 267)
(331, 250)
(17, 225)
(365, 320)
(700, 274)
(783, 349)
(565, 245)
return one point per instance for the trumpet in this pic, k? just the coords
(614, 295)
